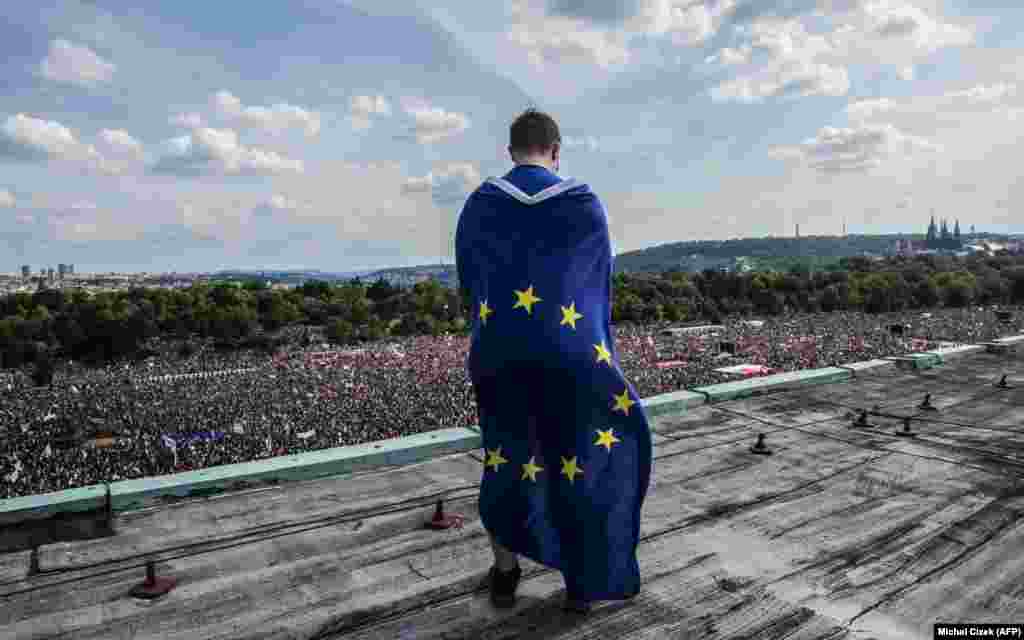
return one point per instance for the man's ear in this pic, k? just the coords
(556, 149)
(510, 154)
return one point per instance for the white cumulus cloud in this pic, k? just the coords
(275, 119)
(448, 183)
(33, 139)
(854, 149)
(804, 45)
(560, 39)
(982, 98)
(45, 136)
(686, 23)
(790, 61)
(791, 78)
(893, 33)
(75, 64)
(903, 20)
(602, 33)
(433, 124)
(729, 56)
(805, 49)
(363, 108)
(212, 151)
(121, 141)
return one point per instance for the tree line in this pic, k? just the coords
(49, 325)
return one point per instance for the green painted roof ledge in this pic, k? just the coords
(142, 492)
(916, 360)
(754, 386)
(867, 366)
(44, 505)
(955, 352)
(673, 402)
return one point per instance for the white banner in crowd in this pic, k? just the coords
(169, 442)
(172, 445)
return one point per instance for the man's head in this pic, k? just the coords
(534, 139)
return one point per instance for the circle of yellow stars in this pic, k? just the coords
(525, 299)
(570, 467)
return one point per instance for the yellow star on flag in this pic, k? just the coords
(526, 300)
(570, 470)
(530, 469)
(603, 353)
(494, 458)
(623, 402)
(569, 315)
(485, 311)
(606, 439)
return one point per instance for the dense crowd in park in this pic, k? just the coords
(175, 412)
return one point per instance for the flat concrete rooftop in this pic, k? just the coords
(843, 532)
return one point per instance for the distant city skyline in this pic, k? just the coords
(894, 230)
(164, 138)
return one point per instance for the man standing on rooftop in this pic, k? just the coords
(567, 443)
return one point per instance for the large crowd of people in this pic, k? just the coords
(174, 413)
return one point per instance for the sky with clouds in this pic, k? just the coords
(344, 135)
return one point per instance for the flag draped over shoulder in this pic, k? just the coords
(567, 443)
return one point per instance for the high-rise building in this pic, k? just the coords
(50, 274)
(26, 271)
(61, 270)
(71, 269)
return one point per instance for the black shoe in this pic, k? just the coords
(503, 586)
(575, 605)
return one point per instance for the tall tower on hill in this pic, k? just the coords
(933, 233)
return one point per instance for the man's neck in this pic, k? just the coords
(536, 163)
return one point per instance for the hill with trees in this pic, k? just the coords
(669, 256)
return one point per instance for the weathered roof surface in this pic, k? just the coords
(841, 532)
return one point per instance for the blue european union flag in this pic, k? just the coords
(567, 443)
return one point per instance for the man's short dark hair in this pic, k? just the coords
(533, 132)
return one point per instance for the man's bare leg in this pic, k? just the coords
(504, 559)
